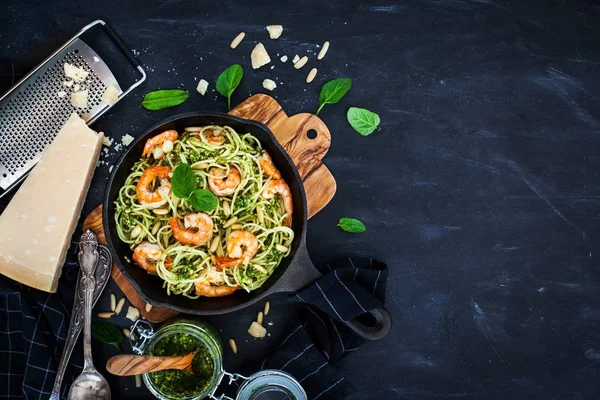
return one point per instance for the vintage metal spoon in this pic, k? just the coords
(102, 275)
(132, 364)
(90, 384)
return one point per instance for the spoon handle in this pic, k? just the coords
(88, 259)
(130, 364)
(102, 275)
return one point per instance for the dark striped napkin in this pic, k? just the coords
(34, 325)
(312, 349)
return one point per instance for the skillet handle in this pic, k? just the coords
(302, 273)
(383, 325)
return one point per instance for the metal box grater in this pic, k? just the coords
(32, 112)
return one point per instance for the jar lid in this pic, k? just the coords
(270, 385)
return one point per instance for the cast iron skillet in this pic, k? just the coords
(295, 271)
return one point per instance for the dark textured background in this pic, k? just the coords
(481, 189)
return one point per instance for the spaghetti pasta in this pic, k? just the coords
(182, 267)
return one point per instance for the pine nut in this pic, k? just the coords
(311, 75)
(233, 346)
(323, 51)
(113, 302)
(161, 211)
(120, 305)
(267, 308)
(259, 268)
(213, 259)
(193, 129)
(260, 215)
(167, 146)
(226, 208)
(259, 319)
(214, 244)
(136, 231)
(126, 332)
(301, 63)
(105, 314)
(281, 248)
(200, 166)
(230, 222)
(156, 227)
(235, 227)
(158, 153)
(148, 307)
(235, 42)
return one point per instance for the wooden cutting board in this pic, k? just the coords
(305, 138)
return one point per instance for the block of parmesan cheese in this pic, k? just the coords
(37, 225)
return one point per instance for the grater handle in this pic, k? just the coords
(119, 42)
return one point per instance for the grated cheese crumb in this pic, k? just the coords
(127, 139)
(284, 58)
(275, 31)
(107, 141)
(202, 87)
(269, 84)
(61, 94)
(75, 73)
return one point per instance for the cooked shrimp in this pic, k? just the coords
(213, 137)
(158, 140)
(146, 255)
(197, 229)
(266, 163)
(278, 186)
(241, 247)
(221, 184)
(157, 197)
(214, 285)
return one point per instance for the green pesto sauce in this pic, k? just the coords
(176, 384)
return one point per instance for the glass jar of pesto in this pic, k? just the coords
(190, 335)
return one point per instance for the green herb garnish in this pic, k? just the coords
(184, 181)
(333, 91)
(184, 184)
(362, 120)
(203, 200)
(161, 99)
(229, 80)
(107, 333)
(352, 225)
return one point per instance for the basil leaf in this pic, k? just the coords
(229, 80)
(161, 99)
(184, 181)
(333, 91)
(362, 120)
(352, 225)
(203, 200)
(107, 333)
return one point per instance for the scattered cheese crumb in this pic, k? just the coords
(132, 313)
(295, 59)
(79, 99)
(107, 141)
(111, 95)
(68, 83)
(259, 56)
(127, 139)
(202, 86)
(61, 94)
(75, 73)
(284, 58)
(269, 84)
(76, 87)
(110, 168)
(275, 31)
(257, 330)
